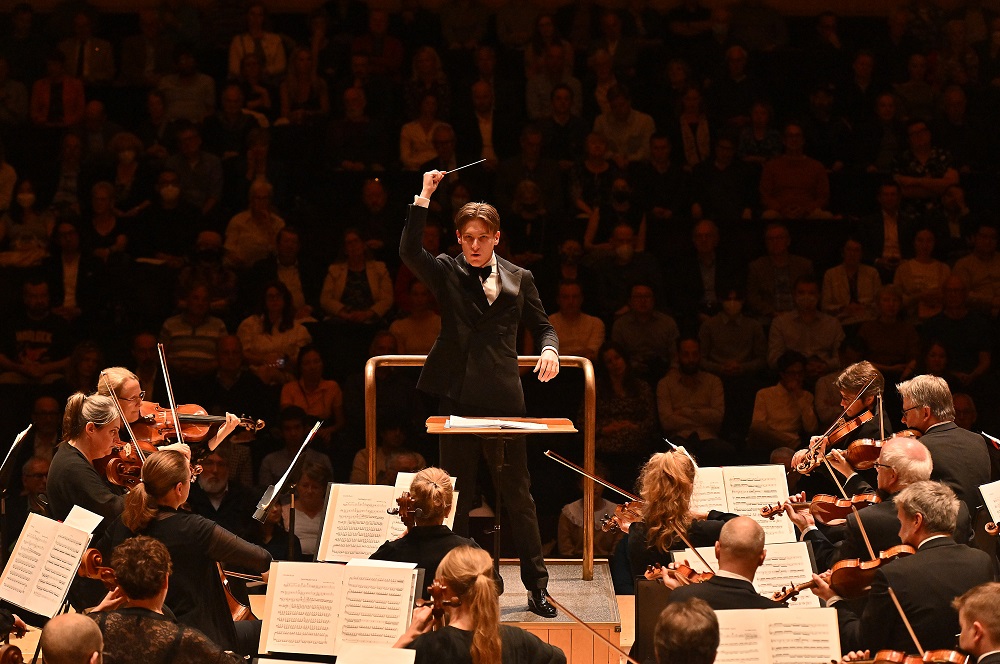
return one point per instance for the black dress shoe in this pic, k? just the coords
(538, 603)
(498, 580)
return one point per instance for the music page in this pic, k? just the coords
(752, 636)
(42, 565)
(709, 491)
(300, 613)
(356, 521)
(748, 488)
(991, 496)
(362, 654)
(375, 605)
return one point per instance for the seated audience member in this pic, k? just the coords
(980, 271)
(887, 234)
(740, 552)
(473, 626)
(300, 274)
(31, 499)
(579, 333)
(72, 638)
(783, 414)
(174, 220)
(564, 130)
(902, 462)
(90, 57)
(206, 266)
(623, 208)
(694, 133)
(74, 278)
(530, 164)
(572, 520)
(267, 45)
(647, 335)
(103, 234)
(391, 442)
(35, 343)
(723, 188)
(273, 338)
(759, 141)
(48, 111)
(849, 289)
(305, 100)
(591, 177)
(893, 344)
(233, 387)
(923, 172)
(220, 497)
(960, 458)
(190, 337)
(293, 430)
(356, 141)
(273, 536)
(319, 397)
(925, 584)
(686, 633)
(979, 622)
(627, 130)
(189, 93)
(794, 186)
(554, 70)
(664, 188)
(251, 234)
(417, 332)
(698, 277)
(732, 344)
(416, 146)
(956, 226)
(624, 419)
(691, 405)
(309, 506)
(771, 278)
(133, 624)
(199, 172)
(357, 289)
(921, 279)
(427, 540)
(806, 330)
(964, 333)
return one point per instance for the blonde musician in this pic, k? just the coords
(472, 633)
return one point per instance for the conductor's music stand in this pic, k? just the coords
(436, 426)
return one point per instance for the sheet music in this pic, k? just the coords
(42, 565)
(751, 636)
(356, 521)
(785, 564)
(300, 614)
(991, 496)
(375, 605)
(748, 488)
(353, 653)
(456, 422)
(709, 490)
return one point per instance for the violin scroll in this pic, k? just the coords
(407, 510)
(625, 515)
(438, 601)
(92, 567)
(992, 529)
(10, 654)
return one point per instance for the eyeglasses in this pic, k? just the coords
(877, 465)
(137, 398)
(906, 410)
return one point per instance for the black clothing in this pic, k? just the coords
(195, 544)
(701, 532)
(925, 584)
(425, 546)
(453, 646)
(960, 460)
(725, 593)
(235, 512)
(141, 635)
(74, 481)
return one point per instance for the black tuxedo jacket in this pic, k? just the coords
(925, 584)
(425, 546)
(724, 593)
(960, 460)
(474, 360)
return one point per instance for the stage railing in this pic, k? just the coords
(589, 411)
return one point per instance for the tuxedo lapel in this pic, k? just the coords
(472, 286)
(510, 285)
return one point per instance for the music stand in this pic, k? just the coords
(274, 492)
(6, 468)
(499, 434)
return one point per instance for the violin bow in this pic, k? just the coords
(909, 627)
(121, 413)
(572, 466)
(170, 392)
(843, 492)
(688, 544)
(591, 629)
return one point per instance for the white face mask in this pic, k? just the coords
(26, 200)
(170, 193)
(732, 307)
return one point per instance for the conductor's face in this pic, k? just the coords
(477, 243)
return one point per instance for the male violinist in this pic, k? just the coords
(473, 364)
(979, 619)
(925, 583)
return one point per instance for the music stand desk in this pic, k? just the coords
(435, 426)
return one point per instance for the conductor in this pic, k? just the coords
(473, 366)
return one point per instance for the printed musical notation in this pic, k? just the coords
(751, 636)
(743, 490)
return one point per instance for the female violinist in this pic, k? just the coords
(473, 634)
(427, 540)
(196, 544)
(666, 485)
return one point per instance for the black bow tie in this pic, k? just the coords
(483, 272)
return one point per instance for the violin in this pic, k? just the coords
(437, 602)
(849, 578)
(407, 510)
(825, 508)
(891, 657)
(945, 657)
(864, 452)
(156, 424)
(625, 515)
(818, 448)
(683, 573)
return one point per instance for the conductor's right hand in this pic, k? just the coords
(431, 181)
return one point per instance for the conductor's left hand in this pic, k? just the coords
(548, 365)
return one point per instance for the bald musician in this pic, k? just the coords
(72, 638)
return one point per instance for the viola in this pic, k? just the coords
(849, 578)
(237, 609)
(864, 452)
(123, 467)
(891, 657)
(438, 601)
(825, 508)
(156, 424)
(819, 447)
(407, 509)
(680, 572)
(945, 657)
(625, 515)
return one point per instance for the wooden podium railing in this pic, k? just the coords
(589, 411)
